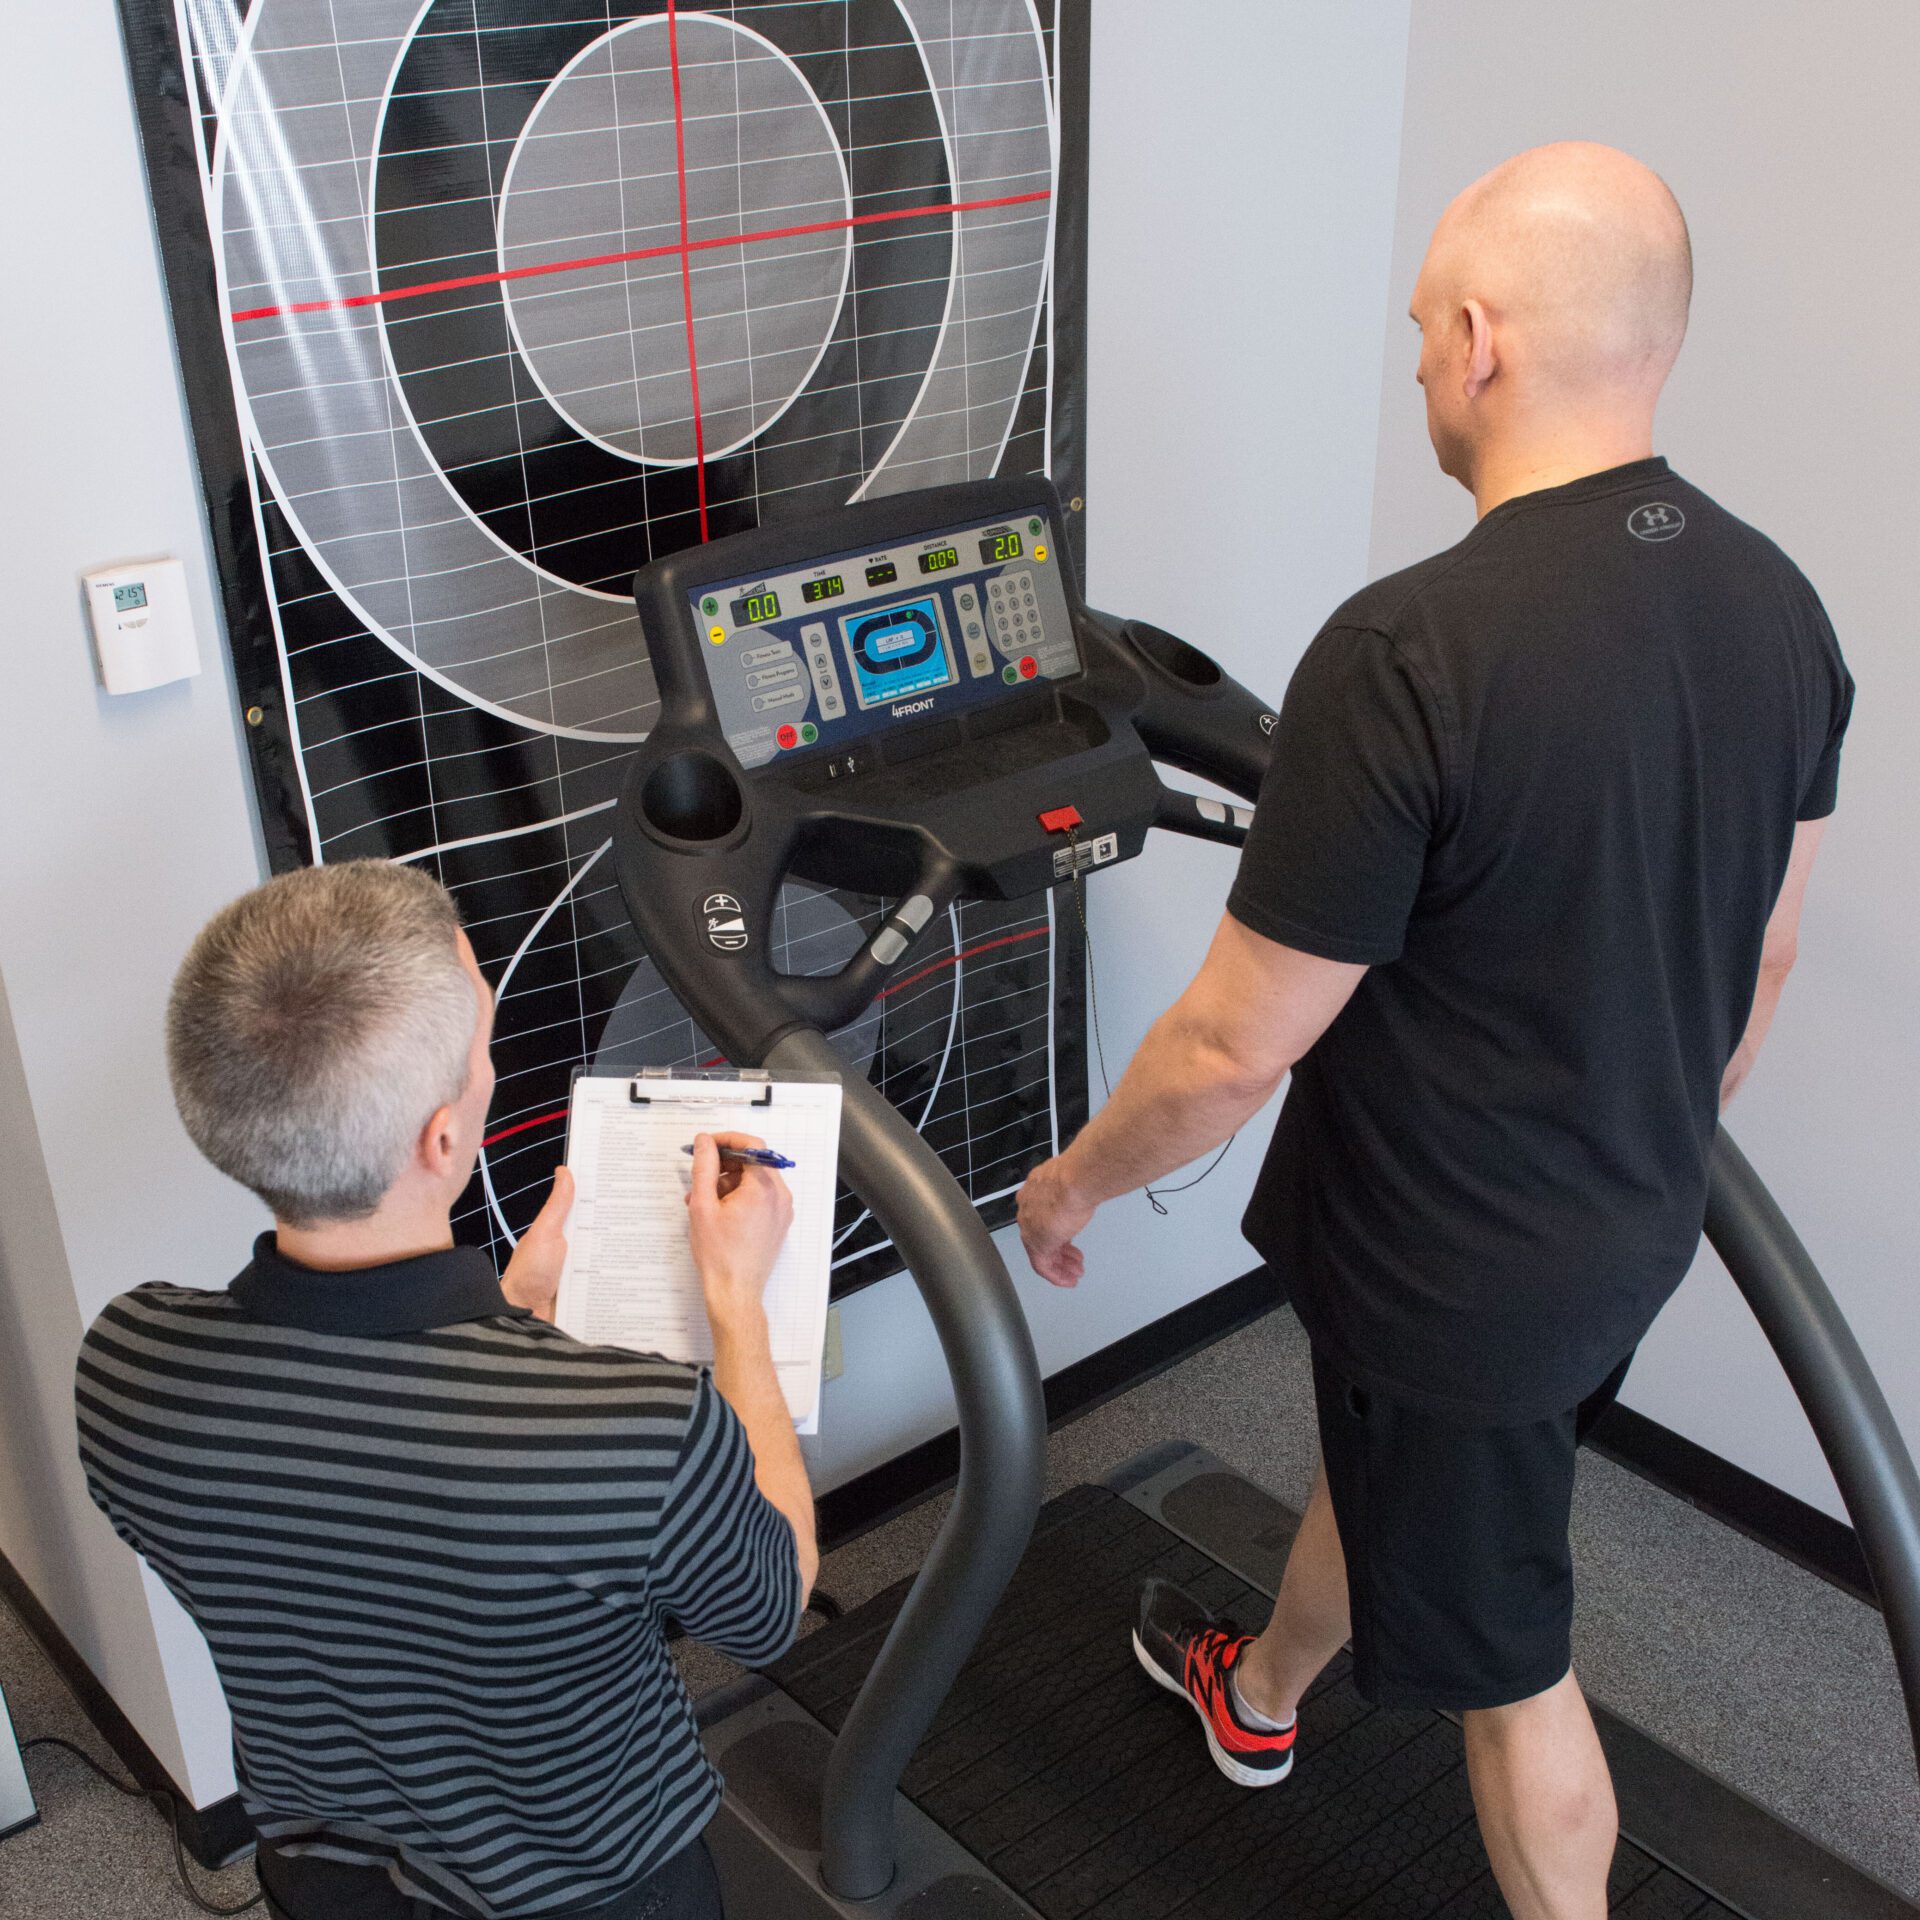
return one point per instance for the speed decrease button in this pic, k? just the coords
(724, 921)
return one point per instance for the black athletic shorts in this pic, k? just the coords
(1459, 1570)
(300, 1886)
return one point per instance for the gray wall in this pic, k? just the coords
(1788, 133)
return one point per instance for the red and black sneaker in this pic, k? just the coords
(1192, 1653)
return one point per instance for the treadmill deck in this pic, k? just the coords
(1058, 1765)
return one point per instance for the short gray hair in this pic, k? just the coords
(315, 1026)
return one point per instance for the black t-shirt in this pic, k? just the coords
(1544, 786)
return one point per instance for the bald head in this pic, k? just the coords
(1580, 255)
(1551, 307)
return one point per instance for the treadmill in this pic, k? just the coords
(908, 697)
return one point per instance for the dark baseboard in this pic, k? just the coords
(216, 1836)
(1742, 1500)
(872, 1498)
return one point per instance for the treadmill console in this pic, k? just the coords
(815, 658)
(905, 697)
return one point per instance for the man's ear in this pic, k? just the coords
(1482, 362)
(438, 1143)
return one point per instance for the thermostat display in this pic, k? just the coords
(142, 625)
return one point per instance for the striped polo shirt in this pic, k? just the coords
(435, 1546)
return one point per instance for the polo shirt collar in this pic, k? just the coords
(403, 1296)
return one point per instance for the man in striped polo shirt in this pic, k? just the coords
(434, 1544)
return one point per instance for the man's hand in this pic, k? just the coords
(737, 1218)
(532, 1278)
(1052, 1215)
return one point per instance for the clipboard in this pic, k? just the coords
(629, 1278)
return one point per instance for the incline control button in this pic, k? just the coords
(725, 922)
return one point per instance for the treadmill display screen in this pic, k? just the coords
(897, 651)
(811, 660)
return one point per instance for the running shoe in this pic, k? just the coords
(1191, 1652)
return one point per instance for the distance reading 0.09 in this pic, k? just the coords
(814, 591)
(752, 608)
(939, 560)
(1000, 546)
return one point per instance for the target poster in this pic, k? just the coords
(481, 305)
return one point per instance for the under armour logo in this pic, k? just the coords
(1659, 521)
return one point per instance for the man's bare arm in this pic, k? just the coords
(1208, 1064)
(1777, 955)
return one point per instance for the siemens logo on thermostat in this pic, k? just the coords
(911, 707)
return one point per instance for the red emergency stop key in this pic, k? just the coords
(1060, 819)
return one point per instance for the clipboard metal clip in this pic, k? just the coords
(661, 1080)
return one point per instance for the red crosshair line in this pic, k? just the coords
(933, 210)
(886, 993)
(686, 248)
(686, 264)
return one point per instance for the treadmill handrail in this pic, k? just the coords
(1835, 1386)
(1001, 1411)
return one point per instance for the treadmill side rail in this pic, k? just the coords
(989, 1351)
(1835, 1386)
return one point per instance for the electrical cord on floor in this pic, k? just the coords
(1155, 1195)
(161, 1797)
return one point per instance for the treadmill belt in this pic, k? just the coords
(1089, 1790)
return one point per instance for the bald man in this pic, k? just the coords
(1515, 911)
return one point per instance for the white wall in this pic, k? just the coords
(126, 822)
(1787, 133)
(1242, 201)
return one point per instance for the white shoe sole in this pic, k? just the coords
(1241, 1776)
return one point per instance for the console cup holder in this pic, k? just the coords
(1172, 655)
(692, 796)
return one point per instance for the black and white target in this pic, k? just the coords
(528, 234)
(514, 296)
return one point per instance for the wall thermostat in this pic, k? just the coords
(142, 625)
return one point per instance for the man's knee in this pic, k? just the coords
(1546, 1749)
(1555, 1712)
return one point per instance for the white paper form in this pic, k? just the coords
(629, 1278)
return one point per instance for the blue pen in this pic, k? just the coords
(754, 1157)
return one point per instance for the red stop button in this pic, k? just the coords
(1029, 667)
(788, 736)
